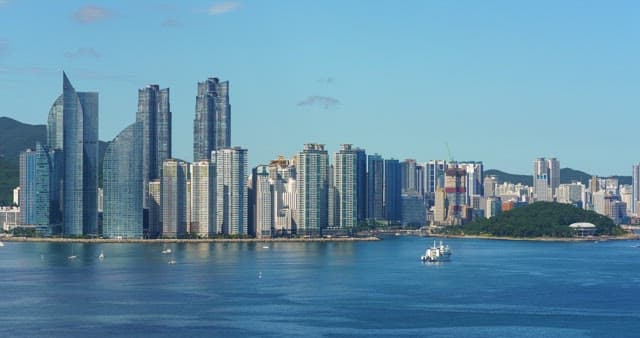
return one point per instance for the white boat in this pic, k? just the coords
(171, 262)
(1, 244)
(101, 256)
(73, 256)
(265, 247)
(437, 253)
(166, 251)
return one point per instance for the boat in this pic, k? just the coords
(166, 251)
(265, 247)
(1, 244)
(73, 256)
(101, 256)
(437, 253)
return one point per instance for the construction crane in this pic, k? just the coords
(451, 160)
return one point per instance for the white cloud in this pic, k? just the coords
(83, 53)
(324, 102)
(90, 14)
(223, 7)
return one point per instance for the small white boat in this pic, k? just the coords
(101, 256)
(1, 244)
(265, 247)
(437, 253)
(171, 262)
(72, 257)
(166, 251)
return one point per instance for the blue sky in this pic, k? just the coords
(499, 81)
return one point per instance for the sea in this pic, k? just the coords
(490, 288)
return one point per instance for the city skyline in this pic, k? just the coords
(497, 68)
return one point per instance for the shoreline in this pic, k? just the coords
(544, 239)
(173, 240)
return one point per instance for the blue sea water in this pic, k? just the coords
(490, 288)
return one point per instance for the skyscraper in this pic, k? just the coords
(361, 182)
(549, 170)
(312, 189)
(231, 190)
(392, 190)
(408, 175)
(375, 187)
(474, 180)
(435, 178)
(173, 201)
(35, 204)
(346, 186)
(80, 145)
(263, 202)
(154, 113)
(122, 185)
(212, 124)
(203, 199)
(635, 189)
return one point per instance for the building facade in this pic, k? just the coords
(122, 185)
(173, 201)
(346, 186)
(203, 199)
(312, 189)
(154, 113)
(212, 123)
(231, 190)
(375, 187)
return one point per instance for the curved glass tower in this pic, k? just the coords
(80, 144)
(122, 184)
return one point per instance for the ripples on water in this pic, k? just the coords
(489, 289)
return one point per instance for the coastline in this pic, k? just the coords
(173, 240)
(627, 237)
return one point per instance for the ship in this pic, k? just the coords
(437, 253)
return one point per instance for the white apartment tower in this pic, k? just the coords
(345, 182)
(312, 189)
(203, 203)
(231, 190)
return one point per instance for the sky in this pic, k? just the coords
(503, 82)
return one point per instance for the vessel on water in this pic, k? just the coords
(101, 256)
(437, 253)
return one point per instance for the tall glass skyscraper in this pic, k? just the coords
(212, 124)
(35, 169)
(375, 186)
(262, 202)
(122, 185)
(80, 144)
(231, 190)
(154, 113)
(392, 190)
(312, 189)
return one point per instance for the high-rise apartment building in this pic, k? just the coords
(435, 178)
(548, 169)
(212, 123)
(122, 185)
(203, 199)
(375, 187)
(80, 146)
(346, 186)
(154, 113)
(312, 189)
(35, 201)
(392, 191)
(635, 189)
(408, 175)
(173, 201)
(231, 190)
(262, 202)
(154, 227)
(361, 183)
(456, 191)
(474, 180)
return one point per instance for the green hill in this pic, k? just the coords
(567, 175)
(15, 137)
(541, 219)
